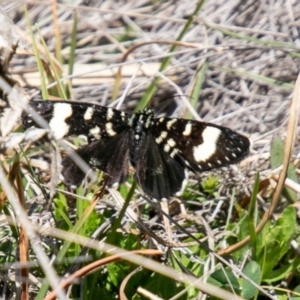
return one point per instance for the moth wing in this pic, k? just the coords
(159, 175)
(68, 118)
(202, 146)
(110, 156)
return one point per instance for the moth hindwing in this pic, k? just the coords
(161, 150)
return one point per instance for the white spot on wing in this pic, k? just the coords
(148, 122)
(171, 123)
(167, 148)
(171, 142)
(174, 152)
(88, 115)
(162, 136)
(188, 129)
(130, 121)
(57, 124)
(95, 132)
(109, 130)
(110, 114)
(123, 116)
(210, 136)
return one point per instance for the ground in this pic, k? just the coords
(233, 63)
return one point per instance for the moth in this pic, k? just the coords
(161, 150)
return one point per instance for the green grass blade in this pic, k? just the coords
(258, 78)
(117, 223)
(62, 253)
(198, 86)
(73, 44)
(38, 59)
(165, 62)
(251, 217)
(57, 74)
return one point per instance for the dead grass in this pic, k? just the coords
(247, 51)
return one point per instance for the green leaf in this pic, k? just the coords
(296, 291)
(210, 184)
(242, 230)
(277, 151)
(274, 242)
(114, 272)
(277, 155)
(282, 272)
(60, 212)
(225, 279)
(288, 193)
(163, 287)
(253, 271)
(92, 221)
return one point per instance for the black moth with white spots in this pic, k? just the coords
(161, 150)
